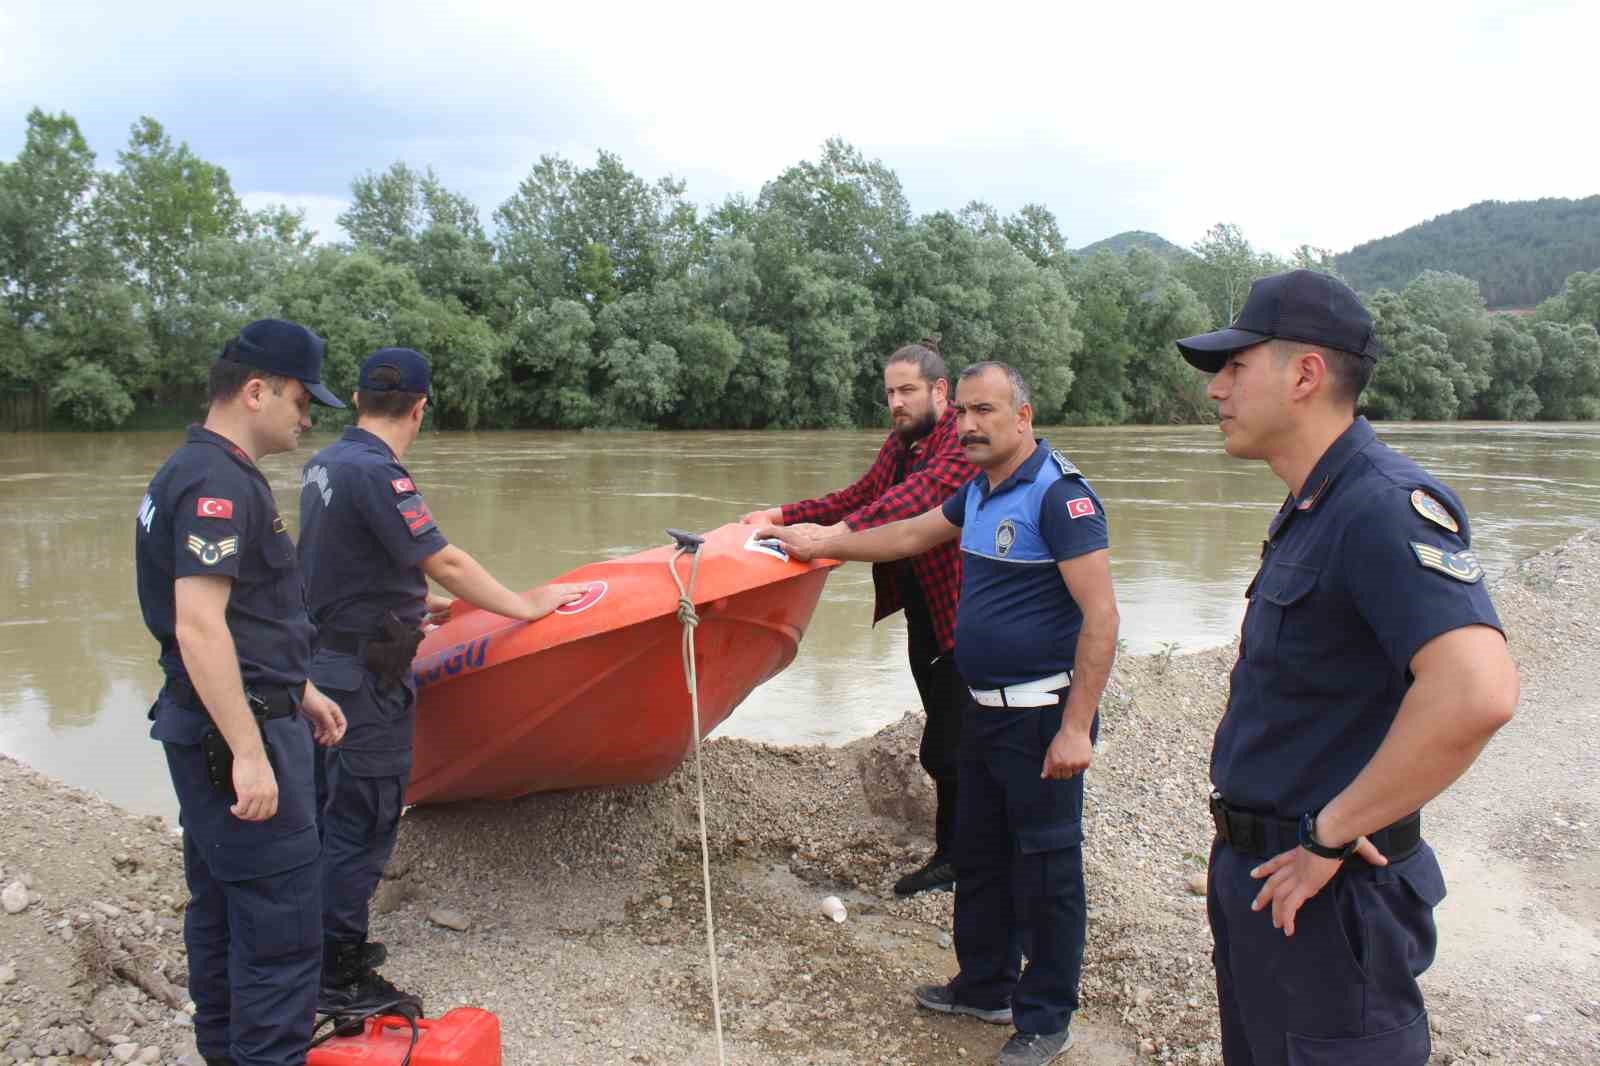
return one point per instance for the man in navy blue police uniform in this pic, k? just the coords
(1036, 632)
(368, 544)
(221, 593)
(1371, 673)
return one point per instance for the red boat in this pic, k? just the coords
(595, 694)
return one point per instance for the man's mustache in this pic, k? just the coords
(974, 438)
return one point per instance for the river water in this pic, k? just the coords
(77, 667)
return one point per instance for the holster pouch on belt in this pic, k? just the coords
(219, 757)
(389, 659)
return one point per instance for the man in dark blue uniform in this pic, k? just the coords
(368, 544)
(1371, 673)
(221, 593)
(1036, 632)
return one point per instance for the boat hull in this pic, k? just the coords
(598, 696)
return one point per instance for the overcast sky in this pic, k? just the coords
(1326, 124)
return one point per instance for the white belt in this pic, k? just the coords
(1040, 693)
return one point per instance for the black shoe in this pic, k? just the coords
(371, 992)
(937, 876)
(943, 1000)
(373, 954)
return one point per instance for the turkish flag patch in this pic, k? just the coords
(1080, 508)
(212, 507)
(403, 485)
(417, 517)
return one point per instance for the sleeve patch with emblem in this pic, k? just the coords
(1434, 511)
(1462, 565)
(213, 507)
(1082, 507)
(403, 485)
(211, 552)
(418, 518)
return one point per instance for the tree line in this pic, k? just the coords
(595, 298)
(1519, 253)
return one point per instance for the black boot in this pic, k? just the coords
(351, 986)
(936, 875)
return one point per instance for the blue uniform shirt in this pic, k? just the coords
(364, 530)
(209, 510)
(1370, 562)
(1016, 621)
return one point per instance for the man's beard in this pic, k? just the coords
(915, 431)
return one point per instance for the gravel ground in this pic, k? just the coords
(582, 921)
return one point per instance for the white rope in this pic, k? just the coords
(687, 615)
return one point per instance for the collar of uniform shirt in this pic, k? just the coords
(200, 434)
(1349, 443)
(362, 436)
(1028, 471)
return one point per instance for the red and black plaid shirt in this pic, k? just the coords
(935, 469)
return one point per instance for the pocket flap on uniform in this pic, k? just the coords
(334, 671)
(1049, 838)
(1422, 875)
(177, 725)
(255, 858)
(1408, 1045)
(1287, 583)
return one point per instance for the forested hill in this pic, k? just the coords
(1125, 242)
(1518, 253)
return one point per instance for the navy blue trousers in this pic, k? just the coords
(1343, 990)
(253, 924)
(362, 790)
(1019, 870)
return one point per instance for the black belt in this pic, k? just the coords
(266, 701)
(1265, 835)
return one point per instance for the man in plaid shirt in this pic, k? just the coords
(920, 465)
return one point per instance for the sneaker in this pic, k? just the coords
(1034, 1049)
(937, 876)
(943, 1000)
(369, 992)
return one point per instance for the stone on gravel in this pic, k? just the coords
(150, 1054)
(125, 1052)
(14, 898)
(8, 973)
(450, 919)
(895, 783)
(1197, 884)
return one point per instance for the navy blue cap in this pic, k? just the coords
(1300, 305)
(414, 374)
(286, 349)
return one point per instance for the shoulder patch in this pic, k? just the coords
(211, 552)
(1067, 466)
(1462, 565)
(414, 512)
(1434, 511)
(402, 486)
(1082, 507)
(213, 507)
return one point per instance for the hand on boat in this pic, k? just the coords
(547, 598)
(438, 610)
(771, 516)
(256, 788)
(801, 548)
(327, 720)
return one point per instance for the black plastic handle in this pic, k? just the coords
(689, 542)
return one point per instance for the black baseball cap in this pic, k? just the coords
(287, 349)
(414, 374)
(1300, 305)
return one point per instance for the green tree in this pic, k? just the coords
(1568, 380)
(1514, 364)
(1415, 377)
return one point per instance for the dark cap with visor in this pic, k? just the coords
(411, 372)
(286, 349)
(1300, 305)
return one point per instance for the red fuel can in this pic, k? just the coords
(465, 1036)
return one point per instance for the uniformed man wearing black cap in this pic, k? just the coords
(221, 592)
(368, 544)
(1371, 673)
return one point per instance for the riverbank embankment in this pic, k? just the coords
(578, 917)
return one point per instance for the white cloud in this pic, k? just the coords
(1323, 125)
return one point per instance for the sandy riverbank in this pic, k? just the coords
(584, 922)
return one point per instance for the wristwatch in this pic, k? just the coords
(1308, 840)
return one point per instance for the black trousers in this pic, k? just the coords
(943, 695)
